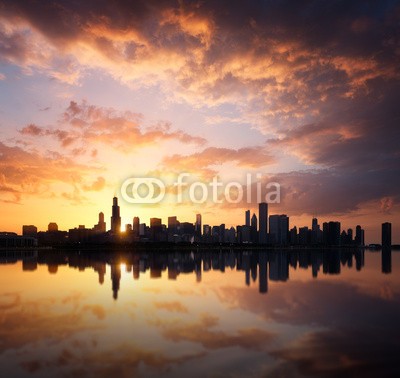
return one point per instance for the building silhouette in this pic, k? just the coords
(173, 225)
(29, 230)
(331, 233)
(198, 225)
(155, 229)
(359, 239)
(253, 229)
(247, 218)
(100, 227)
(279, 229)
(52, 227)
(135, 226)
(263, 222)
(386, 235)
(115, 217)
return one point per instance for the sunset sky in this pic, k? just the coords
(305, 93)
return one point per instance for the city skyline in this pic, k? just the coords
(301, 93)
(270, 230)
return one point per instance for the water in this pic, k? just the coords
(217, 314)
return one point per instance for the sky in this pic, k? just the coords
(299, 93)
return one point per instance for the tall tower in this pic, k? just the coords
(386, 235)
(198, 225)
(247, 218)
(115, 217)
(359, 239)
(262, 219)
(135, 228)
(315, 230)
(253, 229)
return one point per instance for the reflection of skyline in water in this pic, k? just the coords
(191, 314)
(260, 267)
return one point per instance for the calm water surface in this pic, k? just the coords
(215, 314)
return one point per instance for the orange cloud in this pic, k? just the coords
(26, 172)
(202, 332)
(171, 306)
(204, 161)
(97, 185)
(84, 123)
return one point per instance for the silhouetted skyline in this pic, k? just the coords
(271, 230)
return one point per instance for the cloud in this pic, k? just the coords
(215, 52)
(96, 186)
(96, 310)
(32, 130)
(87, 124)
(171, 306)
(207, 161)
(386, 204)
(330, 354)
(25, 172)
(202, 332)
(22, 328)
(320, 81)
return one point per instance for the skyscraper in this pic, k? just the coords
(274, 228)
(315, 231)
(155, 228)
(115, 217)
(247, 218)
(100, 227)
(359, 239)
(262, 219)
(198, 225)
(331, 233)
(253, 229)
(135, 228)
(386, 235)
(172, 225)
(279, 229)
(284, 229)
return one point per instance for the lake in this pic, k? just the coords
(200, 314)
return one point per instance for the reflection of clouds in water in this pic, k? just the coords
(321, 303)
(25, 324)
(185, 327)
(360, 336)
(386, 292)
(204, 332)
(171, 306)
(122, 360)
(350, 353)
(9, 301)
